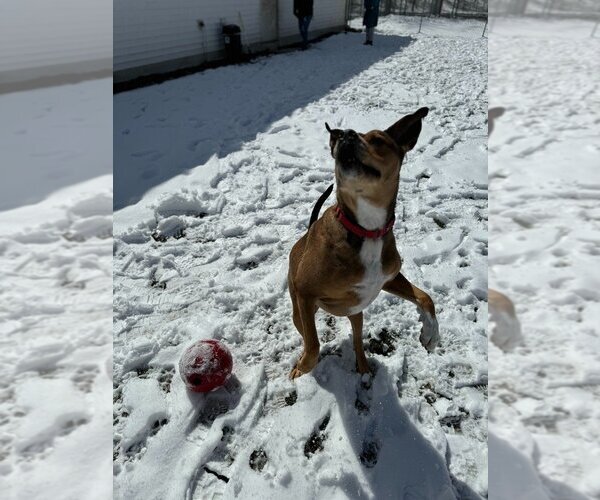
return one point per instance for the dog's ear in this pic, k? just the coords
(333, 132)
(494, 113)
(334, 135)
(405, 131)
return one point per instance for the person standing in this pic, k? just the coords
(303, 10)
(370, 19)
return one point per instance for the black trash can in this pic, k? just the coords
(232, 36)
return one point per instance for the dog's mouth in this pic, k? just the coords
(347, 147)
(348, 157)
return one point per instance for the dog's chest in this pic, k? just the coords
(373, 278)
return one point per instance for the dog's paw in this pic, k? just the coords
(305, 364)
(430, 333)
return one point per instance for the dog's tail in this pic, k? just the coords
(315, 213)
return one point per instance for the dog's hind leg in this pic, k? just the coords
(296, 312)
(356, 321)
(304, 319)
(404, 289)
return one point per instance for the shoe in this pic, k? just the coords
(368, 42)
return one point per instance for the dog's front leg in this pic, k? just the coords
(310, 355)
(361, 360)
(400, 286)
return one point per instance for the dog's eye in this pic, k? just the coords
(377, 141)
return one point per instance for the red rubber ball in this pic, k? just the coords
(205, 365)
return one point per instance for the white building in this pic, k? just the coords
(156, 36)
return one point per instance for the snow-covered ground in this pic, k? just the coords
(218, 174)
(55, 302)
(544, 248)
(53, 137)
(573, 8)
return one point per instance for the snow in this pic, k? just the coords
(55, 261)
(544, 246)
(223, 167)
(55, 137)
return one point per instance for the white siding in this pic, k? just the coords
(148, 32)
(327, 14)
(36, 34)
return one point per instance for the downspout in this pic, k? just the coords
(243, 31)
(347, 14)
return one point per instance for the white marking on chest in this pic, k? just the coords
(370, 217)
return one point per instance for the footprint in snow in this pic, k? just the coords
(258, 460)
(383, 343)
(135, 450)
(315, 442)
(150, 155)
(279, 128)
(250, 258)
(37, 447)
(218, 402)
(84, 377)
(165, 378)
(281, 400)
(364, 394)
(368, 456)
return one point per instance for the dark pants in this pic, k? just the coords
(303, 23)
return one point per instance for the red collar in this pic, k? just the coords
(360, 231)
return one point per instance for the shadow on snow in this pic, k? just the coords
(164, 130)
(397, 459)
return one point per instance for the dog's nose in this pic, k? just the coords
(346, 149)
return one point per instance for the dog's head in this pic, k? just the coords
(494, 113)
(369, 164)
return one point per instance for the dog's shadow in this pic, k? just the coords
(397, 460)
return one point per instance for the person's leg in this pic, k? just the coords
(305, 31)
(301, 27)
(370, 33)
(306, 23)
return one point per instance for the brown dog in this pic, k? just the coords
(349, 255)
(505, 329)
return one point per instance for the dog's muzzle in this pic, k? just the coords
(347, 156)
(346, 147)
